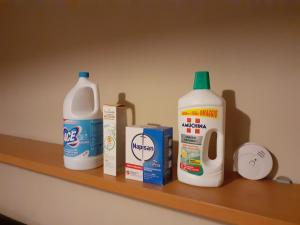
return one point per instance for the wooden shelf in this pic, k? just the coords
(238, 201)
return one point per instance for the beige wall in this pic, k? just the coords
(149, 50)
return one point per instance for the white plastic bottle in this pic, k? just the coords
(200, 113)
(83, 126)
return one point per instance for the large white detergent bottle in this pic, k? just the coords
(83, 126)
(200, 114)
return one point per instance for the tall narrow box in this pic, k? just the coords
(114, 124)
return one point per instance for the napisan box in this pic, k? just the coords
(114, 124)
(149, 154)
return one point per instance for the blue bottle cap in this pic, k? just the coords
(84, 74)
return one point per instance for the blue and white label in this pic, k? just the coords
(71, 136)
(142, 147)
(83, 137)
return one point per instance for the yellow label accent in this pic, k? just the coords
(205, 112)
(183, 154)
(195, 161)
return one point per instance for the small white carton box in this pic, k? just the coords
(114, 124)
(134, 164)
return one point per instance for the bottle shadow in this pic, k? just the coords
(237, 132)
(237, 128)
(130, 106)
(174, 160)
(275, 167)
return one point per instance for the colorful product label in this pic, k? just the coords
(149, 154)
(193, 126)
(83, 138)
(114, 123)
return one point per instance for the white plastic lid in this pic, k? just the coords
(253, 161)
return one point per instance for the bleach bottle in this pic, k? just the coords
(83, 126)
(200, 114)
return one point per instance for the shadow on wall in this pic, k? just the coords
(175, 160)
(130, 106)
(275, 167)
(237, 131)
(237, 128)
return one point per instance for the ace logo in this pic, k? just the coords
(71, 137)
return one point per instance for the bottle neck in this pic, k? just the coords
(83, 79)
(203, 90)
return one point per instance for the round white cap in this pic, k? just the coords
(253, 161)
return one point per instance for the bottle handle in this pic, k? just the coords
(95, 94)
(96, 98)
(212, 165)
(220, 145)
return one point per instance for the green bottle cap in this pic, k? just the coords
(201, 80)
